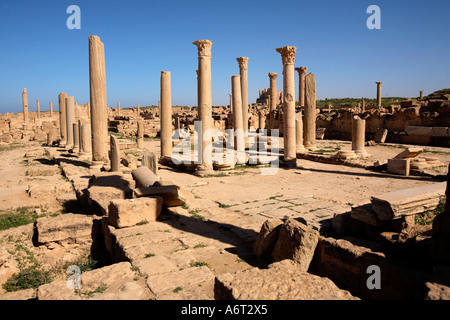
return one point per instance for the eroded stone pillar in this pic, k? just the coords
(70, 120)
(98, 104)
(239, 135)
(363, 105)
(310, 113)
(166, 116)
(76, 138)
(114, 153)
(288, 58)
(379, 94)
(118, 108)
(86, 138)
(38, 109)
(421, 95)
(140, 134)
(301, 85)
(51, 109)
(273, 91)
(62, 118)
(205, 104)
(243, 69)
(299, 147)
(262, 120)
(359, 136)
(25, 104)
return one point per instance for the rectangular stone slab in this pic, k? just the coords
(409, 153)
(408, 201)
(172, 195)
(399, 166)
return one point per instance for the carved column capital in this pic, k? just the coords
(204, 48)
(287, 54)
(243, 62)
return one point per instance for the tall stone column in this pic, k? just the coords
(99, 109)
(140, 134)
(205, 104)
(310, 113)
(138, 111)
(239, 134)
(51, 109)
(359, 136)
(118, 108)
(70, 120)
(86, 138)
(76, 137)
(166, 116)
(363, 105)
(25, 105)
(114, 154)
(273, 91)
(379, 94)
(243, 69)
(288, 58)
(301, 85)
(262, 120)
(62, 118)
(38, 109)
(299, 148)
(421, 95)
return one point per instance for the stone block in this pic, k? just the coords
(439, 131)
(418, 131)
(172, 194)
(144, 177)
(399, 166)
(409, 153)
(129, 212)
(297, 242)
(283, 280)
(380, 135)
(267, 238)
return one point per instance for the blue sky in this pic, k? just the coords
(142, 38)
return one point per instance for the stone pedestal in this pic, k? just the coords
(358, 136)
(166, 116)
(98, 104)
(243, 69)
(288, 58)
(239, 135)
(310, 113)
(205, 105)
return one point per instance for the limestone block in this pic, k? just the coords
(380, 135)
(409, 153)
(399, 166)
(296, 241)
(173, 196)
(64, 227)
(418, 131)
(129, 212)
(283, 280)
(267, 238)
(439, 131)
(144, 177)
(26, 294)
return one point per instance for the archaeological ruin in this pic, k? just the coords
(284, 198)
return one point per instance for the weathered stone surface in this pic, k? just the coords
(408, 201)
(296, 241)
(129, 212)
(409, 153)
(380, 135)
(144, 177)
(172, 195)
(65, 227)
(283, 280)
(365, 213)
(437, 291)
(43, 171)
(19, 295)
(114, 282)
(267, 238)
(418, 131)
(399, 166)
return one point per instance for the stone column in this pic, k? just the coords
(363, 105)
(99, 109)
(86, 138)
(262, 120)
(114, 154)
(239, 135)
(76, 137)
(379, 94)
(299, 148)
(140, 134)
(118, 108)
(273, 91)
(62, 118)
(38, 109)
(25, 105)
(421, 95)
(359, 136)
(138, 111)
(301, 85)
(310, 115)
(51, 109)
(166, 116)
(52, 136)
(205, 104)
(243, 68)
(288, 58)
(70, 120)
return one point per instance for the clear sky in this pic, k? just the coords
(409, 53)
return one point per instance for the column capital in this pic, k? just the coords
(204, 48)
(379, 83)
(273, 75)
(301, 70)
(243, 62)
(24, 90)
(287, 54)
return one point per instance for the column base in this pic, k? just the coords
(310, 147)
(202, 170)
(362, 154)
(96, 165)
(300, 149)
(345, 155)
(289, 163)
